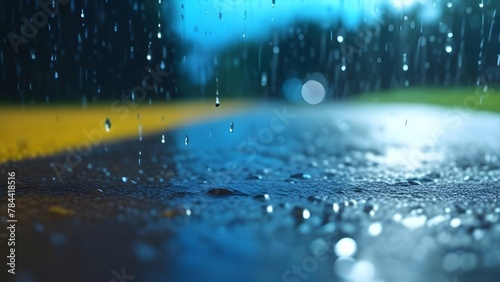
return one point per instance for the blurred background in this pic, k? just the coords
(74, 51)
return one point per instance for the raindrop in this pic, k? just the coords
(375, 229)
(345, 247)
(217, 101)
(413, 222)
(163, 139)
(274, 3)
(336, 207)
(107, 125)
(186, 140)
(455, 222)
(448, 49)
(301, 214)
(301, 176)
(263, 79)
(269, 209)
(231, 127)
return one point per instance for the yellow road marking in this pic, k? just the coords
(36, 131)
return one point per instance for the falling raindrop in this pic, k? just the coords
(217, 101)
(107, 125)
(231, 127)
(186, 140)
(163, 139)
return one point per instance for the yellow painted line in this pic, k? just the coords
(35, 131)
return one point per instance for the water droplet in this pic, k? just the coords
(413, 222)
(375, 229)
(107, 125)
(217, 102)
(224, 192)
(455, 222)
(163, 139)
(186, 140)
(345, 247)
(336, 207)
(448, 49)
(300, 214)
(264, 197)
(269, 209)
(231, 127)
(301, 176)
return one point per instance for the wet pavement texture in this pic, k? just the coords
(326, 193)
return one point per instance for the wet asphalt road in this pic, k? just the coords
(330, 193)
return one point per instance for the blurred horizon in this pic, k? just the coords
(100, 51)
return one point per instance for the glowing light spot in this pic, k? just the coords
(345, 247)
(375, 229)
(306, 214)
(455, 222)
(313, 92)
